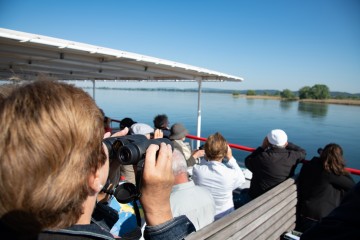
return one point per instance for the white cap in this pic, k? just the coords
(141, 128)
(277, 137)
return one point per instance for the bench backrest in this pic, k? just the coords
(266, 217)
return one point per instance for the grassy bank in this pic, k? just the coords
(334, 101)
(327, 101)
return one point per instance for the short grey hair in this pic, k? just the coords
(179, 163)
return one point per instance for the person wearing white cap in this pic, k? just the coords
(273, 162)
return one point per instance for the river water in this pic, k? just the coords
(243, 121)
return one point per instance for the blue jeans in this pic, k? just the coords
(223, 214)
(242, 198)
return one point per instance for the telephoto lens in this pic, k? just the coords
(113, 144)
(132, 153)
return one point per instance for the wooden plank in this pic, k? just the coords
(259, 225)
(286, 207)
(282, 225)
(234, 217)
(257, 217)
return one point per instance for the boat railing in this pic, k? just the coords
(193, 138)
(249, 149)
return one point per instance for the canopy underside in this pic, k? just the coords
(25, 56)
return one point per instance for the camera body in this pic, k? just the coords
(130, 149)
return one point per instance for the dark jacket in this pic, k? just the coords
(342, 223)
(77, 232)
(177, 228)
(271, 166)
(320, 191)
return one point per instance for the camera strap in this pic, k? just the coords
(137, 213)
(139, 174)
(138, 179)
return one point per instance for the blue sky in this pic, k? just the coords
(279, 44)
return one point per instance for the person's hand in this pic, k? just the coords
(121, 133)
(158, 180)
(198, 153)
(229, 153)
(158, 133)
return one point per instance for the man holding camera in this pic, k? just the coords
(53, 166)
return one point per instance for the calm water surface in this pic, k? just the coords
(243, 121)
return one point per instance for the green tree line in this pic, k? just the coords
(318, 91)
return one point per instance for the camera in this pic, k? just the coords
(130, 149)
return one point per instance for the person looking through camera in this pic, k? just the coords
(53, 165)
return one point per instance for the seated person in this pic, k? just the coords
(107, 124)
(272, 163)
(188, 199)
(143, 129)
(322, 184)
(218, 175)
(161, 122)
(177, 135)
(126, 123)
(53, 165)
(342, 223)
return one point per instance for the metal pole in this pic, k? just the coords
(198, 132)
(93, 81)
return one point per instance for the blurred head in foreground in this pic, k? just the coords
(52, 164)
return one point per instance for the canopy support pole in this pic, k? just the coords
(93, 81)
(198, 132)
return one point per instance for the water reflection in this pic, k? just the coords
(315, 110)
(286, 105)
(250, 101)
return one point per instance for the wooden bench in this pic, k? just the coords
(266, 217)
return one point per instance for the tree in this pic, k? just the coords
(320, 91)
(277, 93)
(305, 92)
(236, 93)
(287, 94)
(250, 93)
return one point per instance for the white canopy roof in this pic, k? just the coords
(25, 56)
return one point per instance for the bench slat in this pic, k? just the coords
(258, 226)
(258, 216)
(234, 222)
(280, 224)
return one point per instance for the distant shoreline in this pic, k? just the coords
(241, 95)
(322, 101)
